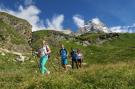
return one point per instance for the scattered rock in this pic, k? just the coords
(3, 54)
(86, 43)
(20, 58)
(78, 43)
(32, 61)
(84, 63)
(69, 66)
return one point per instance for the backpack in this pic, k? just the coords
(63, 53)
(73, 54)
(47, 49)
(39, 53)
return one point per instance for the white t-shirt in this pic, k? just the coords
(44, 51)
(79, 56)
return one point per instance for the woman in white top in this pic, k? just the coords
(44, 51)
(79, 58)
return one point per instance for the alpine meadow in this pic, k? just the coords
(107, 56)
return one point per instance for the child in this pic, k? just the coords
(79, 58)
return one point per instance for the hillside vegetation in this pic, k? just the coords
(110, 65)
(15, 33)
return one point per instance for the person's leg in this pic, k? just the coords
(43, 62)
(76, 64)
(62, 63)
(65, 64)
(41, 65)
(72, 64)
(80, 63)
(65, 67)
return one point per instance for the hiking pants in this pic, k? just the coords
(43, 61)
(74, 61)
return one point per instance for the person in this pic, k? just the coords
(79, 58)
(43, 53)
(47, 48)
(74, 58)
(63, 55)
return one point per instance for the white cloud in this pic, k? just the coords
(55, 23)
(29, 13)
(78, 20)
(123, 29)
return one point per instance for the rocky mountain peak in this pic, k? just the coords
(95, 25)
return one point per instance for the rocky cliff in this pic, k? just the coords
(15, 33)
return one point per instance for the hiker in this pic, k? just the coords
(47, 49)
(74, 58)
(63, 55)
(43, 53)
(79, 58)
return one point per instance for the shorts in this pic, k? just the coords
(79, 60)
(64, 61)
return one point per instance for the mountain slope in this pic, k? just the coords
(15, 33)
(109, 65)
(101, 47)
(53, 37)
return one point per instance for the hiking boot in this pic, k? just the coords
(48, 72)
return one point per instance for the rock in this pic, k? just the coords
(21, 58)
(3, 54)
(86, 43)
(78, 43)
(32, 61)
(84, 63)
(69, 66)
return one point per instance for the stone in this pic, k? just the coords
(3, 54)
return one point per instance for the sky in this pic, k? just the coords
(118, 15)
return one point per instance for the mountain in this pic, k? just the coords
(15, 33)
(55, 38)
(94, 26)
(51, 36)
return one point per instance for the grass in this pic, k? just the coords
(110, 66)
(120, 75)
(16, 38)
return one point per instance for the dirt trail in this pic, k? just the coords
(19, 56)
(8, 51)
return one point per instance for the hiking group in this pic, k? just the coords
(44, 54)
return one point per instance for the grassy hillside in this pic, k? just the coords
(15, 33)
(6, 31)
(112, 50)
(111, 65)
(21, 26)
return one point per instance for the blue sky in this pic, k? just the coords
(111, 12)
